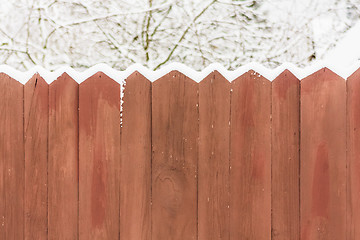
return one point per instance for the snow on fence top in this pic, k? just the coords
(119, 76)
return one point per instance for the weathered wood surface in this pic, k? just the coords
(36, 119)
(63, 158)
(285, 155)
(135, 169)
(214, 150)
(323, 156)
(353, 157)
(250, 158)
(174, 159)
(99, 158)
(247, 159)
(11, 158)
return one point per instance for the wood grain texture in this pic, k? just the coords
(285, 156)
(250, 160)
(11, 158)
(323, 156)
(135, 182)
(353, 156)
(63, 158)
(99, 158)
(175, 154)
(36, 118)
(214, 148)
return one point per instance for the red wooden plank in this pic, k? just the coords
(214, 148)
(11, 159)
(323, 156)
(135, 177)
(175, 154)
(63, 158)
(285, 157)
(353, 156)
(36, 117)
(250, 160)
(99, 158)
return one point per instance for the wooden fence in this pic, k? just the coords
(246, 160)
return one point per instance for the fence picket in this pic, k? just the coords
(135, 182)
(353, 156)
(175, 155)
(63, 158)
(99, 158)
(11, 158)
(285, 189)
(323, 156)
(36, 117)
(250, 160)
(214, 148)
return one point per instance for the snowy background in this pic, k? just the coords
(82, 33)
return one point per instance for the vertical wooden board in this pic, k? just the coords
(250, 158)
(285, 188)
(214, 148)
(323, 156)
(135, 177)
(36, 117)
(175, 154)
(4, 150)
(11, 158)
(63, 158)
(99, 158)
(353, 156)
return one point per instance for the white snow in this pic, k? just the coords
(119, 76)
(347, 50)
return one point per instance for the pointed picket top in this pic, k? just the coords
(62, 86)
(252, 76)
(101, 85)
(286, 75)
(36, 86)
(322, 78)
(284, 82)
(136, 77)
(214, 76)
(324, 74)
(9, 80)
(197, 76)
(100, 78)
(36, 89)
(133, 83)
(354, 76)
(64, 79)
(35, 81)
(174, 74)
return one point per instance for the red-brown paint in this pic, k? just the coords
(230, 203)
(250, 158)
(353, 156)
(36, 118)
(135, 177)
(98, 181)
(99, 158)
(285, 145)
(323, 156)
(63, 158)
(214, 149)
(321, 183)
(11, 158)
(175, 157)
